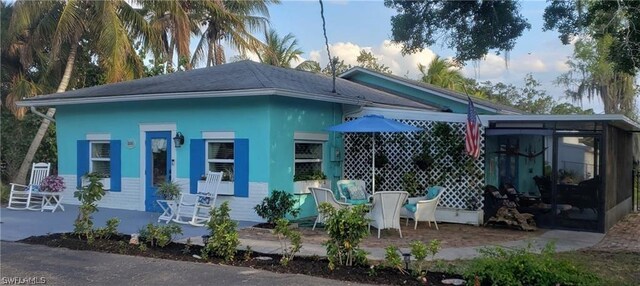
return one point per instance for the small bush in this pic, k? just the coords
(499, 266)
(223, 239)
(346, 229)
(284, 233)
(159, 235)
(276, 206)
(88, 196)
(392, 258)
(420, 251)
(110, 229)
(169, 190)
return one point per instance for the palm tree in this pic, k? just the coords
(109, 26)
(278, 51)
(232, 22)
(441, 72)
(175, 21)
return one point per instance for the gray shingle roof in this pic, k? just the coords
(238, 76)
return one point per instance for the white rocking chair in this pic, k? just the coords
(21, 197)
(195, 209)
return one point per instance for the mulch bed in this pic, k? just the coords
(313, 266)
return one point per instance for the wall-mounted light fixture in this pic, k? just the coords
(178, 140)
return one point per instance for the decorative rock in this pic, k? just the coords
(263, 258)
(134, 239)
(197, 256)
(453, 281)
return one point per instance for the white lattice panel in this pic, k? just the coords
(463, 185)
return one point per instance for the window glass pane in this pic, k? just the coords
(226, 168)
(159, 162)
(220, 150)
(308, 168)
(100, 150)
(101, 167)
(308, 150)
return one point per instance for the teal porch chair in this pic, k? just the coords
(353, 192)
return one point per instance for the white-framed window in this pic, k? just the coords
(220, 158)
(308, 157)
(100, 158)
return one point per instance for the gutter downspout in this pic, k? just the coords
(36, 112)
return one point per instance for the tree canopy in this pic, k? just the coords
(471, 28)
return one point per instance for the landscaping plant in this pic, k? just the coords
(169, 190)
(223, 239)
(52, 184)
(159, 235)
(392, 258)
(88, 196)
(499, 266)
(346, 228)
(276, 206)
(5, 191)
(110, 229)
(284, 233)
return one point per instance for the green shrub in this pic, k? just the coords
(420, 251)
(276, 206)
(346, 228)
(392, 258)
(284, 233)
(110, 229)
(312, 175)
(223, 239)
(88, 196)
(168, 190)
(159, 235)
(499, 266)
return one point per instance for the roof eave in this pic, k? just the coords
(188, 95)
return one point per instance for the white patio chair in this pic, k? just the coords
(386, 210)
(197, 207)
(343, 185)
(21, 196)
(422, 208)
(322, 195)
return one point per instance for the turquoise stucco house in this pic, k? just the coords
(263, 125)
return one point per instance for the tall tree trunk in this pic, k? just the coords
(21, 177)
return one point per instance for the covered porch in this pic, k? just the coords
(570, 171)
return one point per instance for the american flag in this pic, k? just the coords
(472, 135)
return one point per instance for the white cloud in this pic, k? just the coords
(561, 66)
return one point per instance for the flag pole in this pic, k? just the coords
(464, 86)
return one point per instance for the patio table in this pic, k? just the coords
(50, 201)
(168, 209)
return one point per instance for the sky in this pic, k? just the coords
(356, 25)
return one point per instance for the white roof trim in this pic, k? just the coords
(186, 95)
(398, 114)
(634, 126)
(360, 69)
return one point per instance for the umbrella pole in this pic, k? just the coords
(373, 164)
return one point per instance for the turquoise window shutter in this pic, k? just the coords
(241, 162)
(82, 161)
(116, 166)
(196, 163)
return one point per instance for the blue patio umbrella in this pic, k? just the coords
(373, 124)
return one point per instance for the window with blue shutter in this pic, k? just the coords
(241, 164)
(196, 163)
(82, 161)
(116, 166)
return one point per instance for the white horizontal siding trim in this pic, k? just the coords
(127, 198)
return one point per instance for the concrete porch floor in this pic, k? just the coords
(19, 224)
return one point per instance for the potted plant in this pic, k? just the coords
(169, 190)
(52, 184)
(301, 182)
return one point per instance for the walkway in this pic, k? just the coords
(55, 266)
(624, 236)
